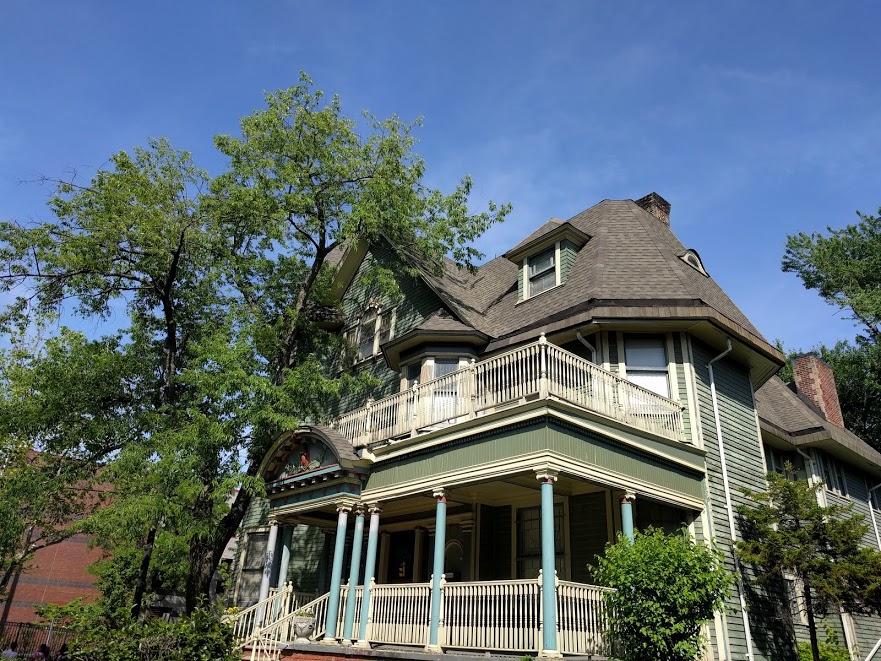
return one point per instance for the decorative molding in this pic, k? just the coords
(545, 474)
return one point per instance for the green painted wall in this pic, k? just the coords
(417, 302)
(521, 274)
(679, 388)
(567, 258)
(495, 543)
(588, 533)
(743, 452)
(523, 439)
(257, 514)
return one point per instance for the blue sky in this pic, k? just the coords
(754, 120)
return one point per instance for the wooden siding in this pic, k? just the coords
(307, 546)
(495, 543)
(417, 302)
(257, 513)
(743, 453)
(588, 533)
(518, 440)
(568, 250)
(679, 385)
(521, 275)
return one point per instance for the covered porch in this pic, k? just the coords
(497, 564)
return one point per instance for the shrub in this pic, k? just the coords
(667, 587)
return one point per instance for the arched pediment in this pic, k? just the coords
(305, 450)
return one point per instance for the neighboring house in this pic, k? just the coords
(592, 380)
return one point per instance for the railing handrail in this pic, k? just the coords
(265, 634)
(489, 383)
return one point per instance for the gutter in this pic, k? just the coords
(728, 506)
(593, 351)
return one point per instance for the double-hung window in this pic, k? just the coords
(372, 331)
(833, 475)
(542, 272)
(645, 359)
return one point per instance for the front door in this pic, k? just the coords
(400, 557)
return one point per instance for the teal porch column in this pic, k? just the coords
(627, 515)
(333, 600)
(440, 542)
(548, 565)
(369, 572)
(357, 542)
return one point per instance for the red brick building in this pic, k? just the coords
(56, 575)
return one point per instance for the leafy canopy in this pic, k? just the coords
(787, 530)
(666, 588)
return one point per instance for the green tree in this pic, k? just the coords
(666, 588)
(788, 530)
(214, 285)
(844, 267)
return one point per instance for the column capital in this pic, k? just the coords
(373, 508)
(546, 475)
(439, 494)
(344, 507)
(628, 497)
(273, 520)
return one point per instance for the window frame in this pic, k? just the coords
(630, 370)
(830, 467)
(353, 334)
(528, 277)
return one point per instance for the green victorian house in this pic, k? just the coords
(591, 381)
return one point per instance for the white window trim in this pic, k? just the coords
(622, 362)
(356, 329)
(836, 470)
(524, 273)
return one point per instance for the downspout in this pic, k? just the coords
(728, 506)
(872, 513)
(593, 351)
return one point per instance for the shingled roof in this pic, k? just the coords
(632, 261)
(783, 414)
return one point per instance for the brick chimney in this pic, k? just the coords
(657, 206)
(814, 380)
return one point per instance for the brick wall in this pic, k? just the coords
(815, 381)
(56, 575)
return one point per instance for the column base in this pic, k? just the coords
(363, 644)
(328, 641)
(550, 654)
(434, 649)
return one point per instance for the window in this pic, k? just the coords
(833, 475)
(795, 595)
(645, 359)
(529, 541)
(542, 272)
(373, 330)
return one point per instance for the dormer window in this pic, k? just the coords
(542, 271)
(694, 261)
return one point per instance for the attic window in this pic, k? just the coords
(374, 329)
(542, 271)
(694, 261)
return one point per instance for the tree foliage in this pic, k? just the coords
(667, 588)
(213, 284)
(787, 530)
(844, 267)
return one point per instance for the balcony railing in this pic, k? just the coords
(536, 371)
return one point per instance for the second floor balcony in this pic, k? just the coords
(532, 372)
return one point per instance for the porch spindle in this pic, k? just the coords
(548, 565)
(333, 600)
(440, 542)
(357, 541)
(268, 559)
(369, 571)
(627, 515)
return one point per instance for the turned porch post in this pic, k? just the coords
(333, 600)
(627, 515)
(548, 565)
(354, 574)
(440, 542)
(268, 559)
(369, 571)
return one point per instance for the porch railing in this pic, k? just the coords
(536, 371)
(502, 616)
(581, 619)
